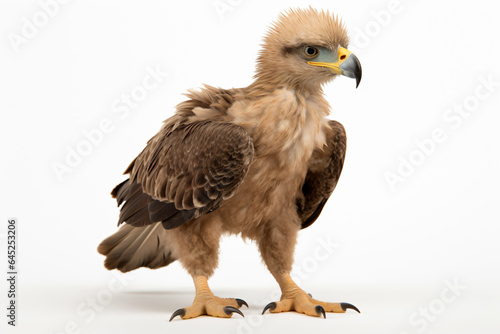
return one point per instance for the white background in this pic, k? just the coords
(396, 249)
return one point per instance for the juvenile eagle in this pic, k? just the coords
(259, 161)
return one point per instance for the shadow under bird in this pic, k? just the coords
(259, 161)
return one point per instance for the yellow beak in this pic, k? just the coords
(348, 65)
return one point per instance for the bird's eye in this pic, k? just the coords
(311, 51)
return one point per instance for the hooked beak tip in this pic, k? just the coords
(352, 68)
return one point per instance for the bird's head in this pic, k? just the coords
(306, 48)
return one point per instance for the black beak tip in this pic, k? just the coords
(359, 74)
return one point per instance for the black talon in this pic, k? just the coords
(270, 306)
(310, 295)
(241, 302)
(229, 310)
(320, 310)
(345, 306)
(180, 312)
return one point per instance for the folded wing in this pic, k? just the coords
(323, 174)
(187, 170)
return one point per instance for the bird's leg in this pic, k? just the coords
(205, 303)
(294, 298)
(276, 247)
(197, 245)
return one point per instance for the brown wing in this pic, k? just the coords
(323, 174)
(185, 171)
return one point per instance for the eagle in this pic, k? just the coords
(259, 162)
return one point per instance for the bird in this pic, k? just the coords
(259, 162)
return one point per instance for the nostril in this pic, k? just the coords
(342, 57)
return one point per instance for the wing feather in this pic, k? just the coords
(325, 167)
(185, 171)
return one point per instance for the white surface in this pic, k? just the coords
(393, 249)
(147, 309)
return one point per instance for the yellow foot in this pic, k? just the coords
(211, 305)
(205, 303)
(294, 298)
(303, 303)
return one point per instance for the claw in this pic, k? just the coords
(180, 312)
(310, 295)
(345, 306)
(320, 310)
(229, 310)
(241, 302)
(270, 306)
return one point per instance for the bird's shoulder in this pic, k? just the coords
(208, 102)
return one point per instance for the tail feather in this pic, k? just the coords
(134, 247)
